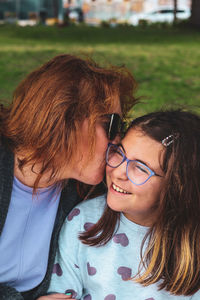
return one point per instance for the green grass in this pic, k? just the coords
(165, 62)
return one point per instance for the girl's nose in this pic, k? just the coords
(120, 172)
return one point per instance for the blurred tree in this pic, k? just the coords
(195, 13)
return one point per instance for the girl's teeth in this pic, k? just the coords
(116, 188)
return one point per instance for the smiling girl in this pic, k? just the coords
(143, 242)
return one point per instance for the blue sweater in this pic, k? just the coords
(102, 273)
(68, 200)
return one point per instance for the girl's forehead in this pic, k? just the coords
(136, 137)
(138, 145)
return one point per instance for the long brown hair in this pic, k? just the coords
(51, 103)
(172, 256)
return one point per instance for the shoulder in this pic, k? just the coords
(82, 216)
(6, 162)
(6, 177)
(93, 204)
(69, 197)
(5, 154)
(87, 211)
(90, 208)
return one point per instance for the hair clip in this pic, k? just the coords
(169, 139)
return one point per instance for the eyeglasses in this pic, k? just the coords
(113, 126)
(137, 172)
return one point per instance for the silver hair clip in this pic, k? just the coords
(169, 139)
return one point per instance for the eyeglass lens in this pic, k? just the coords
(136, 171)
(115, 126)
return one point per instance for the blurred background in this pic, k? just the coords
(157, 40)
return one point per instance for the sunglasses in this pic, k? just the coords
(113, 126)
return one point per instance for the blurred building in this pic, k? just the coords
(91, 11)
(29, 9)
(103, 10)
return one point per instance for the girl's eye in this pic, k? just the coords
(142, 169)
(116, 152)
(119, 152)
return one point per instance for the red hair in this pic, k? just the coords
(51, 103)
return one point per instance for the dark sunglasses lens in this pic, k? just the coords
(115, 126)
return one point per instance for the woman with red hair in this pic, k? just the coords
(53, 135)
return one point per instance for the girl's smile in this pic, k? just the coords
(117, 189)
